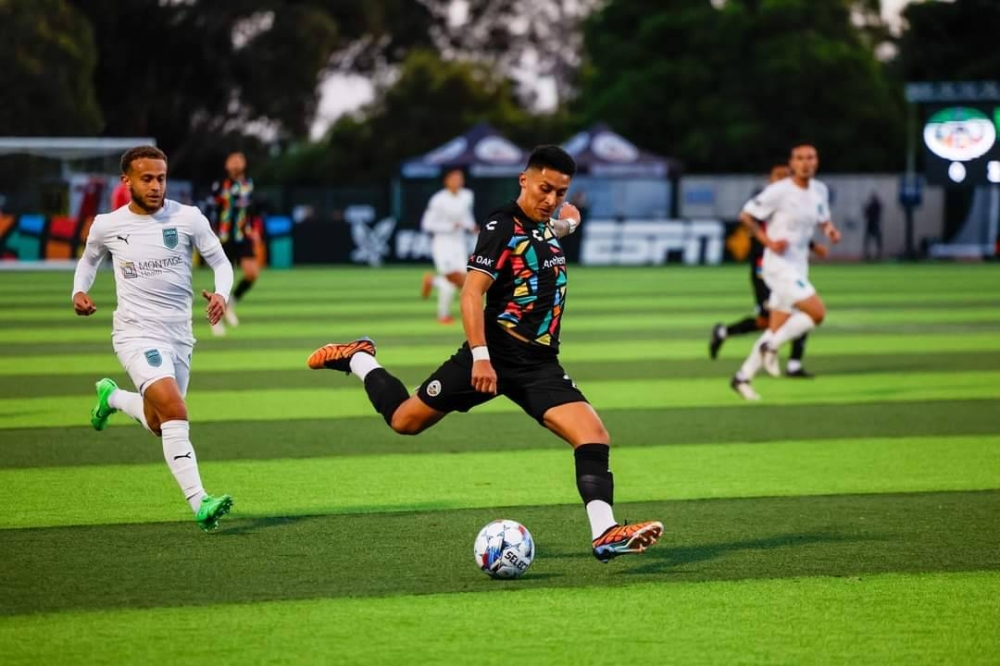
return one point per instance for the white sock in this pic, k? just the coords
(362, 364)
(751, 366)
(793, 365)
(602, 517)
(130, 403)
(446, 292)
(183, 464)
(797, 325)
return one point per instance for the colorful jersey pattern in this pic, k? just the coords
(528, 267)
(232, 208)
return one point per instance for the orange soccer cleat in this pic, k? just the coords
(627, 539)
(338, 356)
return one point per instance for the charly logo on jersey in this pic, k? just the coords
(170, 238)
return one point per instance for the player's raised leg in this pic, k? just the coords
(579, 424)
(809, 313)
(405, 414)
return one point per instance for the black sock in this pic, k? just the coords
(593, 478)
(742, 327)
(798, 348)
(385, 392)
(242, 288)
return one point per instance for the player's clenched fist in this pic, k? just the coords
(216, 307)
(83, 305)
(484, 377)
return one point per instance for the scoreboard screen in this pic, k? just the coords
(961, 144)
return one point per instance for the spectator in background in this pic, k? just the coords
(873, 225)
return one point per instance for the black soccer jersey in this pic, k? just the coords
(528, 267)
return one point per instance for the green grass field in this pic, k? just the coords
(852, 518)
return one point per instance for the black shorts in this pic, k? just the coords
(534, 381)
(237, 250)
(761, 293)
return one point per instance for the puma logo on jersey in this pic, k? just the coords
(186, 455)
(123, 239)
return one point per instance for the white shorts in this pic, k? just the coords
(788, 286)
(147, 360)
(451, 255)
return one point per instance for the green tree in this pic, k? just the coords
(431, 102)
(950, 41)
(48, 55)
(728, 89)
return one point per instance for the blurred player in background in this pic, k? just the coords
(759, 322)
(512, 347)
(792, 209)
(449, 221)
(151, 241)
(120, 196)
(232, 200)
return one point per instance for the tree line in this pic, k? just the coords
(722, 85)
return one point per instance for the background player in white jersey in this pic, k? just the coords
(792, 208)
(449, 220)
(150, 242)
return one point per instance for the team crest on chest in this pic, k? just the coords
(170, 238)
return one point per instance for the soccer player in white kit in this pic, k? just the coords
(793, 208)
(150, 242)
(449, 220)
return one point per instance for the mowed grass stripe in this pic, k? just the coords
(208, 359)
(349, 399)
(266, 440)
(584, 372)
(402, 281)
(266, 307)
(617, 321)
(435, 481)
(881, 619)
(451, 336)
(322, 556)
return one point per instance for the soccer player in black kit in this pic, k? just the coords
(512, 347)
(758, 322)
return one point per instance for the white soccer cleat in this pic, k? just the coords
(218, 330)
(743, 387)
(769, 359)
(231, 317)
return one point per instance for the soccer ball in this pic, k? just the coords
(504, 549)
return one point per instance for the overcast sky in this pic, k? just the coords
(342, 93)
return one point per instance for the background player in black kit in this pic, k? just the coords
(513, 346)
(761, 294)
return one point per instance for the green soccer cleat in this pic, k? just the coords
(102, 411)
(211, 509)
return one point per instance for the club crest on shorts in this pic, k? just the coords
(153, 357)
(434, 389)
(170, 238)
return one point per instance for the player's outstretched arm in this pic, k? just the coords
(86, 270)
(484, 377)
(211, 251)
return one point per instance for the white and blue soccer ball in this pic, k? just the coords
(504, 549)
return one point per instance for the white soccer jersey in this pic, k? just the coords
(792, 214)
(151, 256)
(449, 215)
